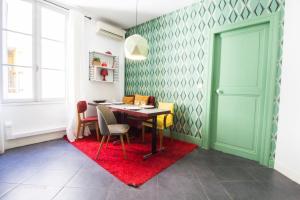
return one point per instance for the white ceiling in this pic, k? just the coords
(122, 12)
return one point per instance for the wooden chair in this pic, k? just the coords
(163, 122)
(109, 127)
(83, 121)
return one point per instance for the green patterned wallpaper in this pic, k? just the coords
(173, 71)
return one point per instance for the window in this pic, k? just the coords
(53, 54)
(33, 51)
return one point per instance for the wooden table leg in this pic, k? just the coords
(123, 117)
(154, 139)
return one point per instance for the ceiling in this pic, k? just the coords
(122, 12)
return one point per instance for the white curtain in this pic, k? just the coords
(75, 63)
(2, 138)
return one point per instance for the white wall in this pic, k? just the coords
(33, 118)
(287, 159)
(39, 118)
(98, 90)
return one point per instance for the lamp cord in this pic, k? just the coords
(136, 12)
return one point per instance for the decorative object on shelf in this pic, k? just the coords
(108, 52)
(104, 64)
(136, 47)
(104, 73)
(96, 61)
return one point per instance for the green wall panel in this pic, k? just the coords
(179, 47)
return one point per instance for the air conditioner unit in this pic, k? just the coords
(110, 31)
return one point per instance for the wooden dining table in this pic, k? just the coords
(142, 115)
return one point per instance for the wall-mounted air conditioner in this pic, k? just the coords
(110, 31)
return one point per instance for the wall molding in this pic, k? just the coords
(183, 137)
(34, 133)
(9, 144)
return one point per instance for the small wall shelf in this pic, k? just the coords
(109, 63)
(97, 66)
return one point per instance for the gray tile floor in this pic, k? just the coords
(56, 170)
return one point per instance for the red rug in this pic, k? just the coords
(135, 170)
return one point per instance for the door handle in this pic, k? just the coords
(219, 91)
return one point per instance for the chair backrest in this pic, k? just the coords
(168, 106)
(151, 100)
(81, 106)
(105, 118)
(128, 99)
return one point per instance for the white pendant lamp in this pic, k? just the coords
(136, 47)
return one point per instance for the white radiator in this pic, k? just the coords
(2, 149)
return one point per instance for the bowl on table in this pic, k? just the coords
(99, 101)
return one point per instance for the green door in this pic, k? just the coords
(239, 81)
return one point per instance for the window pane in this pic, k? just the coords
(53, 25)
(53, 84)
(17, 82)
(53, 54)
(19, 16)
(17, 49)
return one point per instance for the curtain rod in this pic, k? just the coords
(60, 6)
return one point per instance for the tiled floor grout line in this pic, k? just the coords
(27, 178)
(67, 182)
(18, 184)
(228, 194)
(202, 186)
(205, 193)
(55, 195)
(254, 178)
(9, 190)
(238, 181)
(224, 189)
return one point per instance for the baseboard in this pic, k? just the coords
(34, 133)
(33, 139)
(183, 137)
(13, 143)
(288, 172)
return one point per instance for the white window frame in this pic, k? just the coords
(36, 67)
(1, 47)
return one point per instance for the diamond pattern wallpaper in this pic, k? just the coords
(173, 71)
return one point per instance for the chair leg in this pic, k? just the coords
(143, 134)
(78, 130)
(83, 129)
(127, 137)
(123, 146)
(108, 138)
(171, 133)
(161, 138)
(97, 131)
(101, 143)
